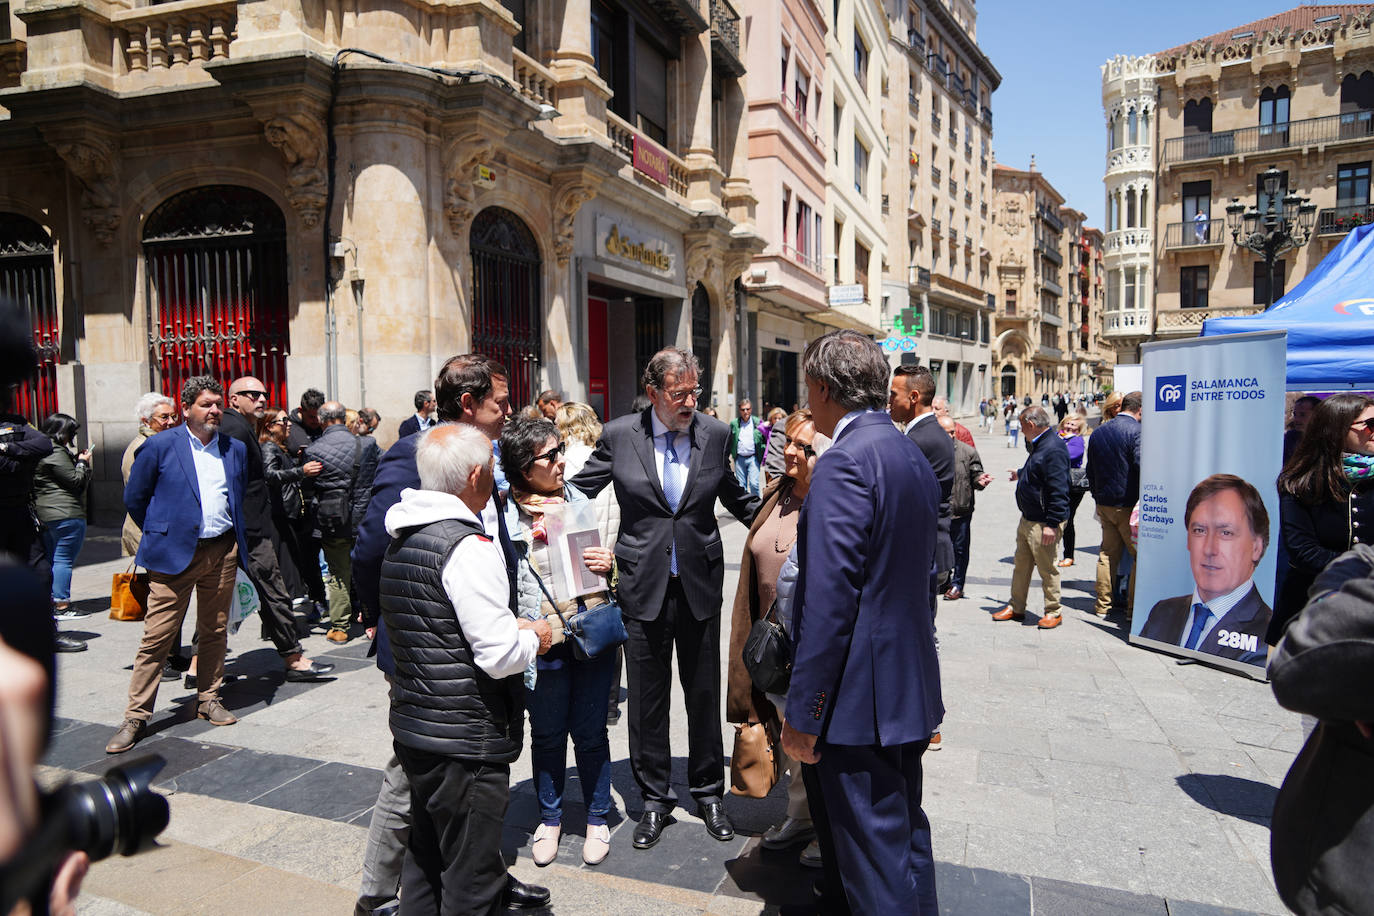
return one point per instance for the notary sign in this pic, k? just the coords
(1211, 443)
(650, 160)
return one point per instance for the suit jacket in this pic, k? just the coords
(625, 457)
(409, 427)
(865, 670)
(257, 502)
(1250, 617)
(938, 448)
(163, 498)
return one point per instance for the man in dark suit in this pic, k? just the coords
(865, 690)
(909, 402)
(422, 419)
(247, 403)
(669, 464)
(1228, 532)
(185, 492)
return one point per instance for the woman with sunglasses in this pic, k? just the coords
(284, 478)
(770, 540)
(570, 695)
(1326, 498)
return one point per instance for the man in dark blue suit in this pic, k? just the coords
(185, 492)
(865, 690)
(422, 419)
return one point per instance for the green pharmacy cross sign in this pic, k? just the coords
(909, 321)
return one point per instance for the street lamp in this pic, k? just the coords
(1283, 225)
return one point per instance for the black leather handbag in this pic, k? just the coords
(768, 654)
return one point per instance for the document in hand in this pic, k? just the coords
(571, 531)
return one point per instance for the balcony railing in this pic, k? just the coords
(1049, 252)
(1047, 352)
(935, 228)
(968, 151)
(725, 38)
(1126, 323)
(987, 116)
(953, 188)
(802, 258)
(953, 134)
(536, 82)
(937, 65)
(154, 38)
(1340, 220)
(1189, 321)
(918, 277)
(623, 139)
(936, 175)
(935, 120)
(1052, 286)
(956, 83)
(984, 163)
(968, 198)
(1119, 239)
(1051, 217)
(1195, 233)
(914, 101)
(1357, 125)
(916, 42)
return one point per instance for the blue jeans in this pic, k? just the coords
(747, 472)
(63, 542)
(571, 700)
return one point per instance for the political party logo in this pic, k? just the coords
(1169, 392)
(1356, 307)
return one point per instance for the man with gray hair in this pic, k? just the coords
(457, 695)
(1042, 495)
(669, 464)
(155, 412)
(338, 496)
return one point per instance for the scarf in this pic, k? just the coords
(535, 504)
(1357, 467)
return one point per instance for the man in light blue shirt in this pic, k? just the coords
(746, 447)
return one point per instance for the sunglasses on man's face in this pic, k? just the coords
(251, 395)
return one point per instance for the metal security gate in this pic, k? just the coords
(507, 311)
(216, 286)
(27, 280)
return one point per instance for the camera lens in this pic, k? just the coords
(118, 813)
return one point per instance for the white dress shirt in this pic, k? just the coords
(912, 425)
(846, 420)
(1219, 607)
(425, 422)
(682, 445)
(214, 485)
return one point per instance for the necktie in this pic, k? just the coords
(1201, 614)
(672, 485)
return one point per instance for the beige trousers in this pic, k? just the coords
(1116, 536)
(211, 575)
(1031, 553)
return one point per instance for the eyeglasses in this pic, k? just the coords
(1364, 425)
(551, 455)
(251, 395)
(806, 450)
(280, 421)
(678, 397)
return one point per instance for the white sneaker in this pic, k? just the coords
(598, 844)
(811, 855)
(544, 848)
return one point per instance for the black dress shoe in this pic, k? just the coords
(316, 671)
(521, 896)
(717, 824)
(70, 644)
(650, 828)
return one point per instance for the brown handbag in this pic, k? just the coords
(754, 763)
(129, 595)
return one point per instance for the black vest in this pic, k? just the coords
(441, 702)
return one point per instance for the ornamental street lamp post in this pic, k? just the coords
(1280, 227)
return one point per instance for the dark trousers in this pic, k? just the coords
(879, 835)
(1075, 497)
(289, 561)
(961, 533)
(649, 669)
(830, 899)
(308, 559)
(278, 624)
(457, 807)
(19, 537)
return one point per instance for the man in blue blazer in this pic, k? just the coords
(185, 492)
(865, 691)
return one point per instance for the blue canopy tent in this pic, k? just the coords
(1329, 318)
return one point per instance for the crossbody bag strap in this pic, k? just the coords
(545, 589)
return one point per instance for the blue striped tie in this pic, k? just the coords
(672, 486)
(1201, 614)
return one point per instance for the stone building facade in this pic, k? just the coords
(938, 193)
(237, 187)
(1128, 99)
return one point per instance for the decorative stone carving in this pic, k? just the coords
(301, 139)
(702, 260)
(1275, 39)
(569, 196)
(464, 155)
(94, 162)
(1359, 20)
(1013, 219)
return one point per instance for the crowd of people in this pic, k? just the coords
(475, 551)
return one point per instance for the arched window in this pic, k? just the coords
(1144, 208)
(1132, 129)
(27, 279)
(1273, 117)
(216, 286)
(1130, 208)
(507, 309)
(1145, 126)
(1357, 105)
(702, 342)
(1008, 381)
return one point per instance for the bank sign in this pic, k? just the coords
(622, 243)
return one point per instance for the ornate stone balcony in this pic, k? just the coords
(536, 82)
(1188, 322)
(171, 36)
(1130, 158)
(623, 139)
(1126, 323)
(1128, 240)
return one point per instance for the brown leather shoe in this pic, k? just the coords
(1008, 614)
(954, 594)
(339, 636)
(1050, 622)
(214, 712)
(129, 734)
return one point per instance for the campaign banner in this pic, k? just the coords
(1211, 449)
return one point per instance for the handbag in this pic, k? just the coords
(129, 595)
(755, 765)
(591, 630)
(1078, 480)
(768, 654)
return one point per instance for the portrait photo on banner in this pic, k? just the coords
(1208, 526)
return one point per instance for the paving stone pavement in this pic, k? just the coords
(1079, 774)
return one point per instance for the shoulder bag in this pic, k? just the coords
(591, 630)
(768, 654)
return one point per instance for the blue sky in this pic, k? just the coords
(1050, 101)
